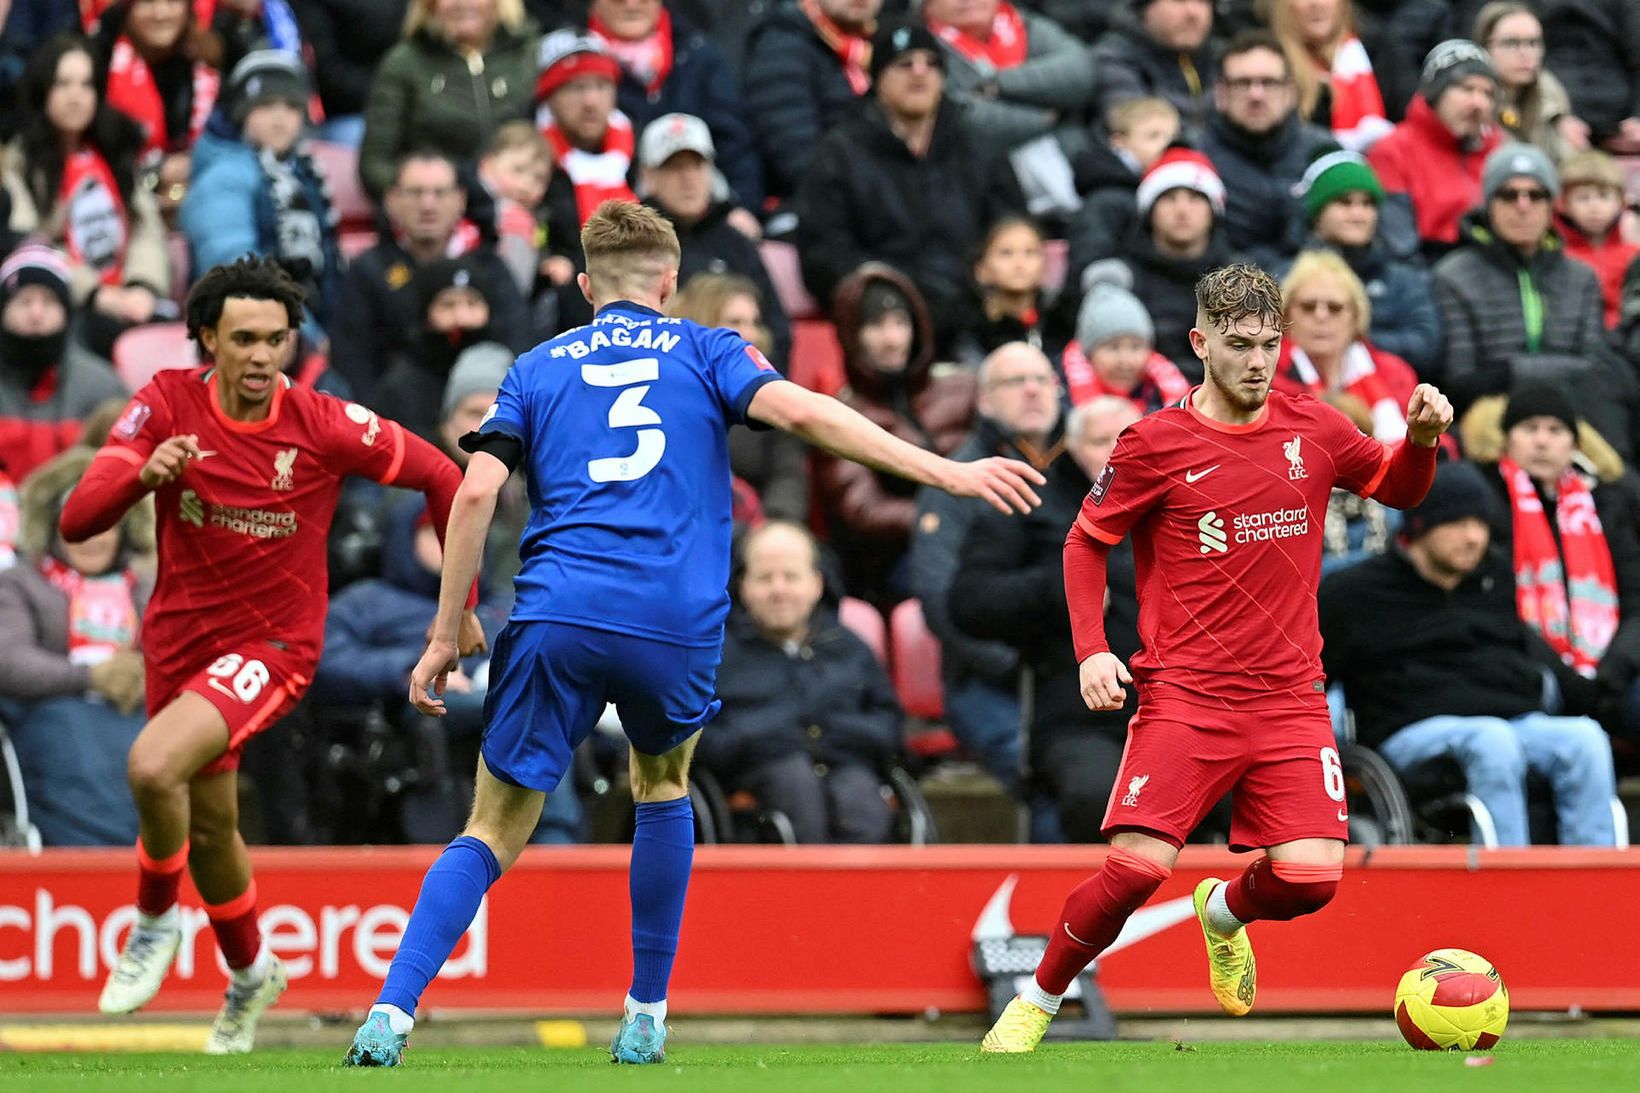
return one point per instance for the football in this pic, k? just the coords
(1452, 1000)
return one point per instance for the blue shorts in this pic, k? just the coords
(550, 681)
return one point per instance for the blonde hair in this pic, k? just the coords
(519, 135)
(1313, 264)
(1124, 116)
(508, 13)
(704, 297)
(1302, 58)
(625, 243)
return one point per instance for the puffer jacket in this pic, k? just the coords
(1594, 47)
(1128, 63)
(1259, 172)
(1054, 84)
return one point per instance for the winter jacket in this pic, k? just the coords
(424, 94)
(348, 38)
(1422, 158)
(832, 701)
(1609, 257)
(1053, 85)
(1128, 64)
(231, 209)
(147, 262)
(1167, 286)
(703, 84)
(867, 198)
(41, 417)
(776, 465)
(1414, 27)
(713, 245)
(1480, 288)
(795, 92)
(1405, 318)
(1529, 114)
(1108, 186)
(1594, 47)
(1259, 172)
(926, 405)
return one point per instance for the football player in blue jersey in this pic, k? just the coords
(622, 428)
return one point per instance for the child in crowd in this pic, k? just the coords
(1115, 354)
(1137, 132)
(515, 170)
(1590, 214)
(1010, 280)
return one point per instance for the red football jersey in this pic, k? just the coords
(242, 532)
(1227, 527)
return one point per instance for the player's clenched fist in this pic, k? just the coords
(1102, 678)
(1429, 414)
(1004, 483)
(169, 460)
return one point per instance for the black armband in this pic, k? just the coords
(508, 449)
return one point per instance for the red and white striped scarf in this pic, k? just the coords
(132, 91)
(1007, 46)
(597, 176)
(1358, 120)
(1161, 384)
(854, 50)
(648, 59)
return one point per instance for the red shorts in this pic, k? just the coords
(251, 683)
(1181, 758)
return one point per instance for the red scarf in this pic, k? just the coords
(11, 516)
(91, 12)
(1007, 46)
(102, 611)
(132, 91)
(1359, 376)
(1160, 385)
(597, 176)
(96, 226)
(1357, 106)
(648, 59)
(854, 50)
(1580, 630)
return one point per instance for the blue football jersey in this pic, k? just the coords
(624, 425)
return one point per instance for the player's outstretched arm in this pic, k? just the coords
(117, 479)
(470, 515)
(827, 423)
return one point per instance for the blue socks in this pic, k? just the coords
(448, 902)
(663, 849)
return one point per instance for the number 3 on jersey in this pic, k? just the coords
(634, 377)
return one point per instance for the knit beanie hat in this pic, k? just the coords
(1180, 168)
(1450, 62)
(1333, 174)
(1110, 311)
(565, 55)
(34, 264)
(1518, 160)
(1591, 168)
(266, 75)
(435, 277)
(894, 40)
(878, 299)
(1458, 492)
(1540, 400)
(479, 369)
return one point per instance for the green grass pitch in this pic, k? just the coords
(1537, 1066)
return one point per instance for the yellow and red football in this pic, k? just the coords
(1452, 1000)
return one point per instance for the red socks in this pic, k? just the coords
(1094, 914)
(158, 880)
(1281, 890)
(237, 933)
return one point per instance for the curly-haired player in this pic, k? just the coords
(245, 470)
(1225, 494)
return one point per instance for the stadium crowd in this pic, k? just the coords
(980, 223)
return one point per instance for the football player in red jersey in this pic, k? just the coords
(245, 470)
(1225, 493)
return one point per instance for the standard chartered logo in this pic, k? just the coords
(1212, 534)
(191, 508)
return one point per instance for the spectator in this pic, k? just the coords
(1589, 217)
(1326, 348)
(1018, 73)
(348, 39)
(1017, 416)
(1592, 45)
(377, 317)
(1436, 154)
(1175, 240)
(900, 182)
(1258, 143)
(809, 718)
(1114, 354)
(25, 27)
(1566, 517)
(462, 68)
(1333, 72)
(255, 188)
(71, 676)
(1347, 211)
(773, 463)
(806, 64)
(514, 173)
(1157, 48)
(1515, 308)
(71, 174)
(592, 142)
(670, 67)
(1013, 305)
(677, 160)
(888, 354)
(454, 313)
(1355, 527)
(1461, 684)
(48, 382)
(1107, 175)
(1533, 106)
(1010, 586)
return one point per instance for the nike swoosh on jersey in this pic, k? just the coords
(1197, 476)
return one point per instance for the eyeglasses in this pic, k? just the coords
(1517, 45)
(1331, 307)
(416, 193)
(1512, 195)
(1243, 84)
(1008, 383)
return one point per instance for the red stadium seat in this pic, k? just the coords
(780, 259)
(916, 662)
(144, 350)
(340, 164)
(817, 356)
(867, 623)
(355, 241)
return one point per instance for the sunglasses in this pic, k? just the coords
(1512, 195)
(1331, 307)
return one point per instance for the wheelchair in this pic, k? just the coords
(15, 828)
(740, 818)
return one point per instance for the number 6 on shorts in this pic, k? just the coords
(1332, 773)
